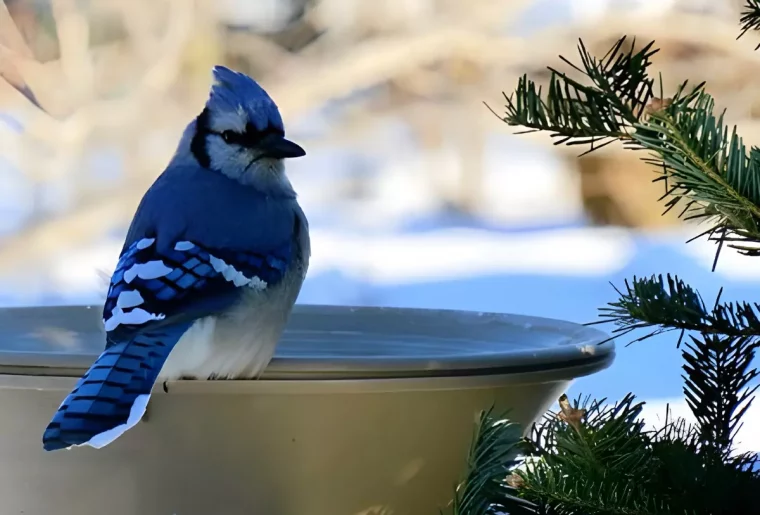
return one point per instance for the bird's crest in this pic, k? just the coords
(236, 92)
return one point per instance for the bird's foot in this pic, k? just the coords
(146, 415)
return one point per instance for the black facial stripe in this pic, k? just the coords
(198, 144)
(250, 129)
(232, 137)
(251, 137)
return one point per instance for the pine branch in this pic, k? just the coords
(719, 383)
(750, 18)
(649, 302)
(717, 387)
(493, 452)
(579, 114)
(676, 431)
(705, 167)
(601, 441)
(562, 494)
(597, 460)
(694, 477)
(591, 459)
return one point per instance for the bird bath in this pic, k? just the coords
(362, 411)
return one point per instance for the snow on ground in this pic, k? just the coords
(388, 259)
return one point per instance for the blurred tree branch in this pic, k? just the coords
(389, 50)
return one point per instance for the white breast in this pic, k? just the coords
(240, 343)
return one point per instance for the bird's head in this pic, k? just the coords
(240, 132)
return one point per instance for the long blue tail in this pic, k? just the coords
(112, 395)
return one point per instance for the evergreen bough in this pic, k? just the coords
(593, 458)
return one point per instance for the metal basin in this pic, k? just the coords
(362, 411)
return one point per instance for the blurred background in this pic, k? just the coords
(418, 196)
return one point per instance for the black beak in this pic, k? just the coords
(276, 146)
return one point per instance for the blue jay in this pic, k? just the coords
(212, 264)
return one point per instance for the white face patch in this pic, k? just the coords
(230, 159)
(137, 316)
(234, 161)
(149, 270)
(236, 277)
(129, 299)
(221, 121)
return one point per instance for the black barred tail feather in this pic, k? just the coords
(112, 395)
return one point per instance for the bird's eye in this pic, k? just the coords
(228, 136)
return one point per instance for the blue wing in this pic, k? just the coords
(184, 282)
(154, 297)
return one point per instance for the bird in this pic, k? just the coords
(211, 266)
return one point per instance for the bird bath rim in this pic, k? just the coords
(325, 343)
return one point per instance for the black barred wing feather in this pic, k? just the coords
(152, 287)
